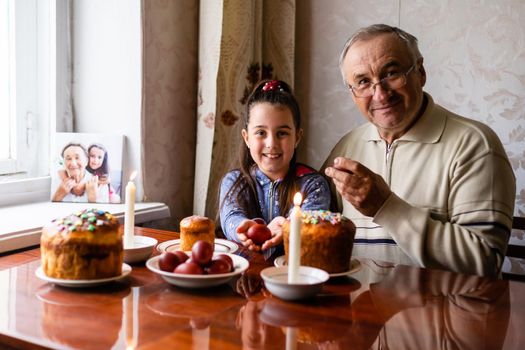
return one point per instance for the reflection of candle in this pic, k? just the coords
(294, 244)
(200, 338)
(131, 319)
(291, 338)
(129, 216)
(128, 321)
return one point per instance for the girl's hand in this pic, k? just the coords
(241, 233)
(103, 180)
(91, 189)
(276, 226)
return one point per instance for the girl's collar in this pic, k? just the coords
(300, 171)
(261, 177)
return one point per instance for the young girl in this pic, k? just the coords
(99, 166)
(268, 176)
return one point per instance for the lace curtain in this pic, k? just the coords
(240, 42)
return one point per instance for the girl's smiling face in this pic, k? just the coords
(271, 137)
(96, 157)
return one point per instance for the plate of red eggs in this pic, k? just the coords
(200, 268)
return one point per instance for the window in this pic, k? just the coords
(33, 63)
(6, 165)
(19, 89)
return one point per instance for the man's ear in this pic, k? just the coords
(244, 134)
(422, 72)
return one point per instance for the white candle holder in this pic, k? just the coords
(140, 250)
(309, 282)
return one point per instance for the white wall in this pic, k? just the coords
(107, 73)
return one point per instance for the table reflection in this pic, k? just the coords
(319, 321)
(69, 316)
(415, 309)
(192, 310)
(192, 304)
(130, 318)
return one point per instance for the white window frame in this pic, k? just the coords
(23, 58)
(7, 164)
(42, 107)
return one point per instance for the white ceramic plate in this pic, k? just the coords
(221, 246)
(126, 270)
(198, 281)
(355, 266)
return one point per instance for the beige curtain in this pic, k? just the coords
(240, 42)
(169, 52)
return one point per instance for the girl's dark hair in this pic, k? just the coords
(104, 167)
(243, 191)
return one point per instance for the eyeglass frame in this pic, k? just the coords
(383, 81)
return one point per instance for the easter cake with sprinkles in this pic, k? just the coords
(82, 246)
(327, 239)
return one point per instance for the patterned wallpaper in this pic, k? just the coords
(474, 55)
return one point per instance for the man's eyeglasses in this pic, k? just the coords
(390, 82)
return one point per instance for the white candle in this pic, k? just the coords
(129, 216)
(294, 244)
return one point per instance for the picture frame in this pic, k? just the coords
(87, 167)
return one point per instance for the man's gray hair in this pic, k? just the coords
(374, 30)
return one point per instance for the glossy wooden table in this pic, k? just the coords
(379, 306)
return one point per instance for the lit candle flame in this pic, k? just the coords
(297, 199)
(133, 175)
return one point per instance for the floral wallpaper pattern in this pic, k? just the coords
(474, 55)
(238, 40)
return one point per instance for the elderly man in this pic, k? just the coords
(423, 185)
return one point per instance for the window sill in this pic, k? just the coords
(21, 225)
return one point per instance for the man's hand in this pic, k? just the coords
(364, 189)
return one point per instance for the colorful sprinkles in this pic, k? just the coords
(87, 219)
(316, 216)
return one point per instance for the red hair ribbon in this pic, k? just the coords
(272, 85)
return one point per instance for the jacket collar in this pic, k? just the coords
(261, 178)
(300, 171)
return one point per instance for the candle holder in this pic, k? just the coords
(309, 282)
(140, 250)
